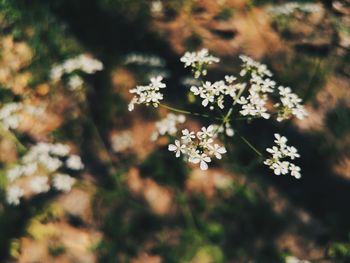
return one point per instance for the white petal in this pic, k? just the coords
(203, 165)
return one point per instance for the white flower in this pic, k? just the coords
(39, 184)
(50, 163)
(177, 148)
(280, 167)
(206, 132)
(280, 140)
(59, 149)
(187, 136)
(276, 152)
(295, 171)
(292, 152)
(217, 150)
(13, 195)
(63, 182)
(202, 159)
(74, 162)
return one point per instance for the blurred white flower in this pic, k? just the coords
(63, 182)
(39, 184)
(74, 162)
(13, 195)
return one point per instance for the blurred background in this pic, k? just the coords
(134, 201)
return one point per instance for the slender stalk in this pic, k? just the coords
(10, 136)
(187, 112)
(250, 145)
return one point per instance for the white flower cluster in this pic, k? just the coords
(289, 105)
(149, 94)
(39, 166)
(198, 147)
(279, 153)
(253, 67)
(291, 7)
(198, 61)
(254, 94)
(214, 93)
(10, 117)
(82, 63)
(144, 60)
(168, 125)
(255, 103)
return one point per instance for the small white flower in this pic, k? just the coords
(74, 162)
(59, 149)
(206, 132)
(187, 136)
(292, 152)
(177, 148)
(63, 182)
(202, 159)
(39, 184)
(217, 150)
(13, 195)
(280, 167)
(280, 140)
(295, 171)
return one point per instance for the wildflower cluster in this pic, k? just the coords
(250, 66)
(252, 94)
(198, 147)
(168, 125)
(39, 168)
(82, 63)
(198, 61)
(213, 94)
(289, 105)
(279, 153)
(149, 94)
(10, 114)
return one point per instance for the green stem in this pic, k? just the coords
(10, 136)
(250, 145)
(188, 112)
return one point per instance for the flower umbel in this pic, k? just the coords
(279, 153)
(149, 94)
